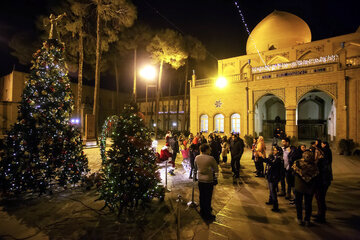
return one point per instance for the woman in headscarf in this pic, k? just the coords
(306, 174)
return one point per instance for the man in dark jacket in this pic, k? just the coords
(193, 151)
(274, 167)
(237, 149)
(325, 178)
(215, 147)
(174, 144)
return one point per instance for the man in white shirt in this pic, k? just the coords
(207, 170)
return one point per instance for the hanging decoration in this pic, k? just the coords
(107, 128)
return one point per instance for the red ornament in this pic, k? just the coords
(141, 115)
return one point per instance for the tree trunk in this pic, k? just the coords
(158, 98)
(185, 93)
(169, 106)
(117, 83)
(152, 112)
(97, 69)
(134, 90)
(80, 78)
(178, 105)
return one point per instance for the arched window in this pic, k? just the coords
(235, 123)
(204, 123)
(219, 123)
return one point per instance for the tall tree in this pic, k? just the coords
(195, 50)
(23, 45)
(131, 40)
(117, 14)
(75, 25)
(166, 46)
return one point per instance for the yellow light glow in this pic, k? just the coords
(148, 72)
(221, 82)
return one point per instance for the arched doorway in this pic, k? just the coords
(269, 115)
(316, 116)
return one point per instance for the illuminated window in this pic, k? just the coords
(219, 123)
(204, 123)
(235, 123)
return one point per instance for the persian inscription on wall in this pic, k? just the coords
(283, 54)
(318, 49)
(331, 89)
(280, 93)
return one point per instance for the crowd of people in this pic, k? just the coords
(296, 173)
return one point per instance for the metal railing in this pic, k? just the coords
(231, 79)
(353, 61)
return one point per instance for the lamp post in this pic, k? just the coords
(149, 74)
(221, 82)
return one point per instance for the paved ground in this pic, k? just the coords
(239, 208)
(241, 212)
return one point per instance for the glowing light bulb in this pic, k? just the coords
(221, 82)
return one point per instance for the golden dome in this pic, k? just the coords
(278, 30)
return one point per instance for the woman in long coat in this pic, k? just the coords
(260, 155)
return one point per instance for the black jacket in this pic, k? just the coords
(237, 148)
(325, 172)
(274, 167)
(174, 144)
(194, 151)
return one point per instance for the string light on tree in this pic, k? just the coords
(129, 174)
(43, 148)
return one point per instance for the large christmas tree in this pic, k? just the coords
(129, 174)
(43, 148)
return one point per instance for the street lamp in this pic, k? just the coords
(148, 73)
(221, 82)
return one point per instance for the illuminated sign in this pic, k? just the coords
(296, 64)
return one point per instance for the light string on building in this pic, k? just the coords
(248, 32)
(296, 64)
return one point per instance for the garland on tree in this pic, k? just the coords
(129, 173)
(109, 124)
(43, 148)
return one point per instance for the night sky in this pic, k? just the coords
(216, 23)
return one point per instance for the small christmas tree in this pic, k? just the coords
(129, 174)
(43, 148)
